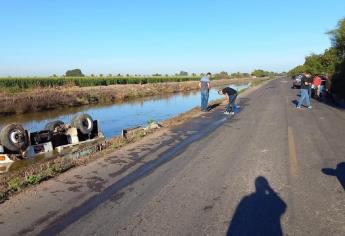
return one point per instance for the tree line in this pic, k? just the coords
(330, 63)
(220, 75)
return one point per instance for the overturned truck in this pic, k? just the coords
(18, 143)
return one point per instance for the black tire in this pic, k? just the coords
(83, 123)
(14, 138)
(53, 125)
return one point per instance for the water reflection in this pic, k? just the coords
(114, 117)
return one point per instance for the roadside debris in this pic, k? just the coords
(153, 125)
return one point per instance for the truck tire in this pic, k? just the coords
(83, 123)
(53, 125)
(14, 138)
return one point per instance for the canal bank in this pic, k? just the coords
(49, 99)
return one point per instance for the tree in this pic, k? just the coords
(317, 64)
(223, 75)
(183, 73)
(331, 62)
(338, 38)
(260, 73)
(74, 73)
(297, 70)
(237, 75)
(313, 64)
(338, 43)
(156, 74)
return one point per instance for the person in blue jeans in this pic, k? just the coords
(231, 95)
(205, 86)
(305, 86)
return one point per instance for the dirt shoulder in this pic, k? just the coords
(52, 98)
(39, 206)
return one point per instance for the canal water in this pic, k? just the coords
(115, 117)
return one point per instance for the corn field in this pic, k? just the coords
(20, 84)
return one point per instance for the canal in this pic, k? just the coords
(115, 117)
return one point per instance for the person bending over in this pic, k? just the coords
(231, 95)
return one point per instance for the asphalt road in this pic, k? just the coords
(269, 170)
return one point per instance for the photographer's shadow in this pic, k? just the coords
(258, 213)
(338, 172)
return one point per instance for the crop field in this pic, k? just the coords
(22, 84)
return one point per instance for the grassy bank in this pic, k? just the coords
(57, 97)
(14, 182)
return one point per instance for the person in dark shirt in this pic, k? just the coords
(305, 87)
(231, 95)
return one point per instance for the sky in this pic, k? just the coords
(41, 38)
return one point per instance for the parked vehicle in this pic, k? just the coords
(297, 81)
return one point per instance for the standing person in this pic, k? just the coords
(205, 86)
(317, 84)
(305, 86)
(310, 81)
(231, 95)
(323, 87)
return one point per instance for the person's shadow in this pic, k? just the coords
(258, 213)
(338, 172)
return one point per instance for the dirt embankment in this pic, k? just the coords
(51, 98)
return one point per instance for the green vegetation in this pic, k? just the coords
(263, 73)
(35, 179)
(20, 84)
(330, 63)
(183, 73)
(317, 64)
(14, 185)
(239, 75)
(150, 121)
(74, 73)
(44, 172)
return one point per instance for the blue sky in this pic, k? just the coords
(144, 36)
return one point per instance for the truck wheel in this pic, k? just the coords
(14, 138)
(83, 122)
(53, 125)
